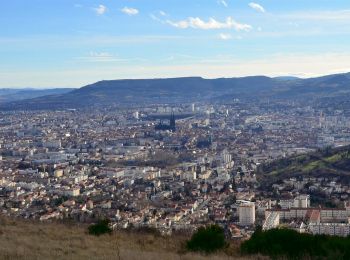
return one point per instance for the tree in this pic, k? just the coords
(100, 228)
(207, 239)
(289, 244)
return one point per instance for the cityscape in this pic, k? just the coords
(175, 130)
(173, 167)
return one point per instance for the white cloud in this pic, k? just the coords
(99, 57)
(101, 9)
(257, 7)
(130, 11)
(228, 36)
(223, 2)
(157, 18)
(197, 23)
(225, 36)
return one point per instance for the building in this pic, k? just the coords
(226, 157)
(272, 220)
(193, 107)
(246, 214)
(302, 201)
(165, 127)
(332, 229)
(324, 214)
(136, 115)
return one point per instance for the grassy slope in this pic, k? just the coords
(326, 163)
(33, 240)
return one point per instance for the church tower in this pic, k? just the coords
(172, 122)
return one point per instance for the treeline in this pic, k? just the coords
(287, 243)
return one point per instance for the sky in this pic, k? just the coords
(72, 43)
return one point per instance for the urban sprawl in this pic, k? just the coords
(171, 167)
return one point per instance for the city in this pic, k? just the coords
(175, 130)
(134, 168)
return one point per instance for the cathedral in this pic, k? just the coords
(170, 127)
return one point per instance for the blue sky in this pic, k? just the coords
(71, 43)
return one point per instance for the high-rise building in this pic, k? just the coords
(246, 214)
(136, 115)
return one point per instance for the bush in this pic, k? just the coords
(100, 228)
(286, 243)
(207, 239)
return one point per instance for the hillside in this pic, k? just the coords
(173, 90)
(322, 163)
(177, 90)
(20, 239)
(10, 95)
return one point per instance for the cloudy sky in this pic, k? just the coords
(71, 43)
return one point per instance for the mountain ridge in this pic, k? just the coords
(16, 94)
(187, 89)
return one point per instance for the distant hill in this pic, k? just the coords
(327, 162)
(287, 78)
(177, 90)
(10, 94)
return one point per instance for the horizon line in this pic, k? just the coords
(179, 77)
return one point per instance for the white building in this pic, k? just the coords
(136, 115)
(286, 204)
(332, 229)
(193, 107)
(272, 220)
(302, 201)
(246, 214)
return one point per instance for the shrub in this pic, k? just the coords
(207, 239)
(286, 243)
(100, 228)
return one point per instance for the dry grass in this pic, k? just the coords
(28, 240)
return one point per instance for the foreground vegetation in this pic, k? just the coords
(21, 239)
(100, 228)
(207, 239)
(286, 243)
(28, 240)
